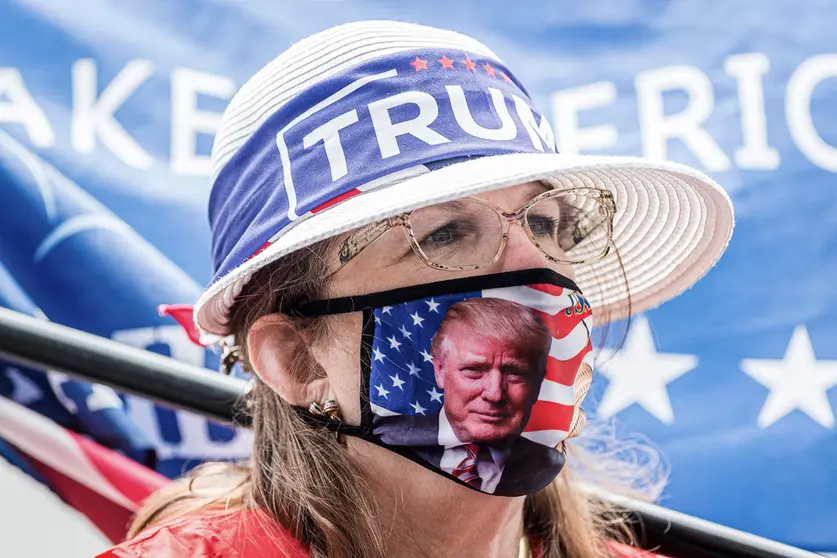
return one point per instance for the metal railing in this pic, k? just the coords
(45, 345)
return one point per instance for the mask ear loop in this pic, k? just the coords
(367, 336)
(334, 423)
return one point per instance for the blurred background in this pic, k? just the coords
(107, 111)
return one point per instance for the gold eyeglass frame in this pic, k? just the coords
(358, 241)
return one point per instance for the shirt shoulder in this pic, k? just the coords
(233, 534)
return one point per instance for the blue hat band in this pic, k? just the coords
(374, 120)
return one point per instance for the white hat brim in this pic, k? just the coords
(671, 226)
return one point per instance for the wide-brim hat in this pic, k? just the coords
(369, 120)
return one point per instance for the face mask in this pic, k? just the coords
(479, 379)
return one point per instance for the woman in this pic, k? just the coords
(366, 180)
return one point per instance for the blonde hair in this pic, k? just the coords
(305, 479)
(208, 487)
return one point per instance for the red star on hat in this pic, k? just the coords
(447, 63)
(489, 70)
(419, 64)
(470, 64)
(506, 77)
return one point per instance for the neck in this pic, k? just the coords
(424, 514)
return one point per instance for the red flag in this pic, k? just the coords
(105, 486)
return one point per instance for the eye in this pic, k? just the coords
(515, 373)
(442, 235)
(471, 373)
(567, 222)
(543, 226)
(557, 229)
(447, 234)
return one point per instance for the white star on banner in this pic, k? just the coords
(434, 395)
(102, 397)
(394, 343)
(639, 374)
(386, 310)
(404, 332)
(798, 381)
(377, 320)
(378, 354)
(24, 390)
(414, 370)
(426, 355)
(418, 408)
(382, 392)
(433, 305)
(397, 382)
(417, 319)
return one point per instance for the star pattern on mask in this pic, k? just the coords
(394, 343)
(378, 355)
(404, 332)
(397, 382)
(417, 408)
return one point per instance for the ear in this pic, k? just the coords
(279, 355)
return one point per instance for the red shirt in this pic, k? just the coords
(232, 534)
(237, 534)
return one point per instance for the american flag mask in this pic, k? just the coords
(480, 379)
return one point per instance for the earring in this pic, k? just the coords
(230, 355)
(328, 409)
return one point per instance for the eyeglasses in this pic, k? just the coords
(570, 226)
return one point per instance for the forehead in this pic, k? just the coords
(465, 343)
(513, 197)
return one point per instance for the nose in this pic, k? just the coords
(492, 387)
(520, 253)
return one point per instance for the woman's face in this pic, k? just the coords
(389, 262)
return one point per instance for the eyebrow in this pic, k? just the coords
(474, 363)
(536, 190)
(452, 204)
(517, 366)
(520, 364)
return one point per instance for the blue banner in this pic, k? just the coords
(107, 112)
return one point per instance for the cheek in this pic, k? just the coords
(521, 396)
(388, 263)
(461, 389)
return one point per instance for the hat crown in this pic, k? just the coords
(314, 59)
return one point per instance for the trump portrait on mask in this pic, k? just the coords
(485, 387)
(489, 360)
